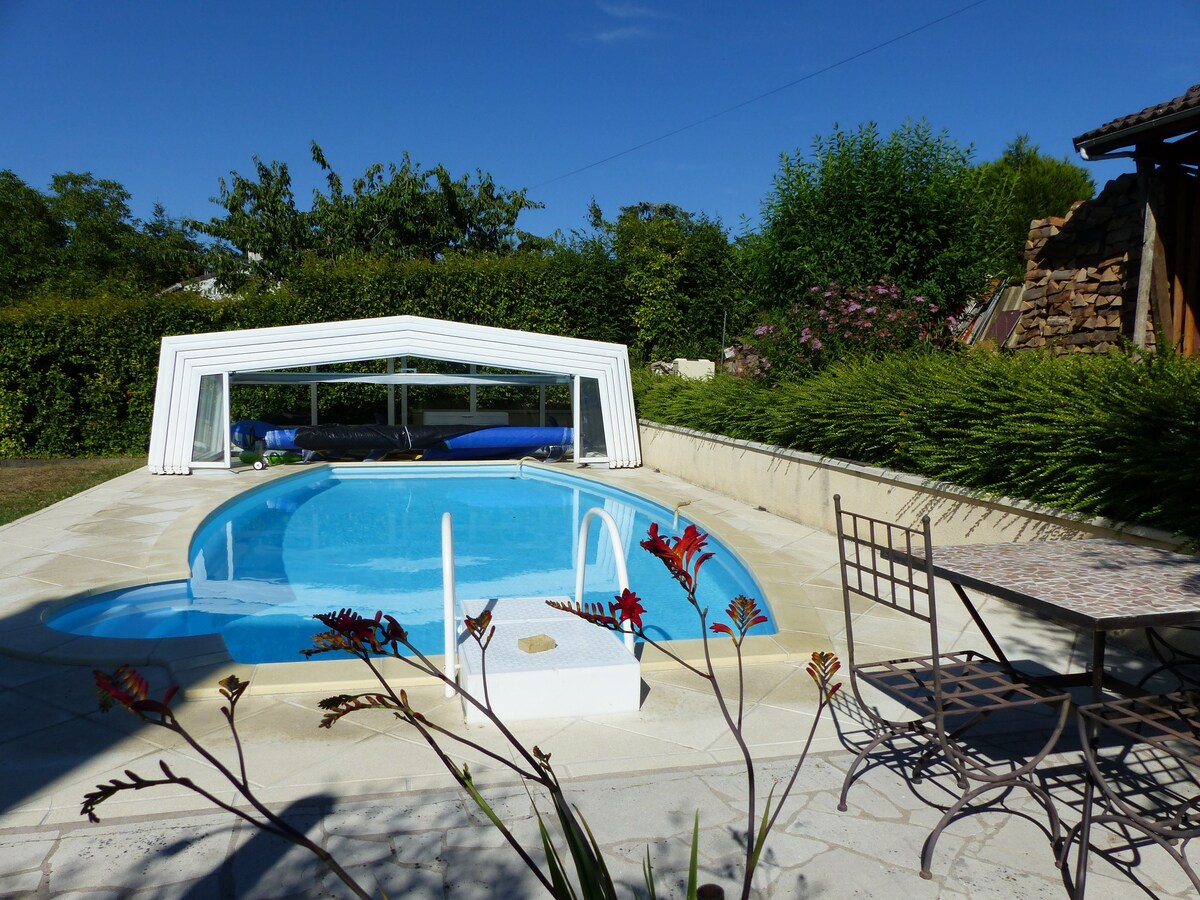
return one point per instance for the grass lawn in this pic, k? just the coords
(29, 485)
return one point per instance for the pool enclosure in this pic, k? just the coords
(191, 425)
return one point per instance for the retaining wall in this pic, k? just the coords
(800, 487)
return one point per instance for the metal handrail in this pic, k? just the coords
(614, 535)
(450, 607)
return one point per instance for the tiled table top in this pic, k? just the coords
(1099, 584)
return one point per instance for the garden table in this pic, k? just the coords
(1096, 585)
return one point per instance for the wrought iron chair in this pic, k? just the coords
(944, 695)
(1176, 655)
(1144, 757)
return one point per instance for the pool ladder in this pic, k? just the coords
(450, 601)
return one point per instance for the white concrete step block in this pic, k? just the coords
(589, 672)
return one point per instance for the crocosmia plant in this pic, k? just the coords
(683, 556)
(572, 866)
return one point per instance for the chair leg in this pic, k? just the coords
(1166, 843)
(924, 760)
(1063, 861)
(1039, 793)
(858, 760)
(933, 749)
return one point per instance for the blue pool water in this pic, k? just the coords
(370, 538)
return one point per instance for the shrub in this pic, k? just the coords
(1101, 435)
(910, 206)
(78, 376)
(836, 323)
(1040, 186)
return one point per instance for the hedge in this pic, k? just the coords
(77, 377)
(1109, 435)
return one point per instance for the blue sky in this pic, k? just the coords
(168, 97)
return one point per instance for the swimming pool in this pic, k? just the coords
(370, 538)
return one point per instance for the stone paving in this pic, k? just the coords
(372, 794)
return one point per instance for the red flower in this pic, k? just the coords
(354, 633)
(628, 608)
(394, 632)
(479, 624)
(128, 688)
(744, 613)
(478, 628)
(354, 628)
(823, 667)
(680, 558)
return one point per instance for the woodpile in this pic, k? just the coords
(1081, 274)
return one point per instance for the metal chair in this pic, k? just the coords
(1144, 756)
(1176, 655)
(945, 695)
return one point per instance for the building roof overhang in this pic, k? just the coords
(1164, 132)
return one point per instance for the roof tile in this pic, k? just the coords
(1190, 100)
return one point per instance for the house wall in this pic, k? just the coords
(1082, 272)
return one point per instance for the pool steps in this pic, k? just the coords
(589, 671)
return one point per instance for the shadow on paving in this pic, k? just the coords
(51, 726)
(1003, 741)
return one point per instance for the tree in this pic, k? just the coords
(262, 233)
(30, 238)
(393, 212)
(164, 251)
(100, 230)
(910, 207)
(1039, 185)
(81, 238)
(678, 276)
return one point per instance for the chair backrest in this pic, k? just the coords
(888, 564)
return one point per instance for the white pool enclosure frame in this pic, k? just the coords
(191, 424)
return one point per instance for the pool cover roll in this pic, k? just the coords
(501, 441)
(247, 432)
(437, 441)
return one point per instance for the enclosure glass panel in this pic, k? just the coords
(208, 446)
(591, 420)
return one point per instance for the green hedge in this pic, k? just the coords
(77, 377)
(1106, 435)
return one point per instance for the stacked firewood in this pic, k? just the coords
(1081, 274)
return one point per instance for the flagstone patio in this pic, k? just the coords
(373, 794)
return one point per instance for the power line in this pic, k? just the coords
(783, 87)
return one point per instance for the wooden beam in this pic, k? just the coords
(1186, 149)
(1160, 284)
(1160, 290)
(1179, 224)
(1141, 310)
(1190, 261)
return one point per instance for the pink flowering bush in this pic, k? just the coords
(833, 322)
